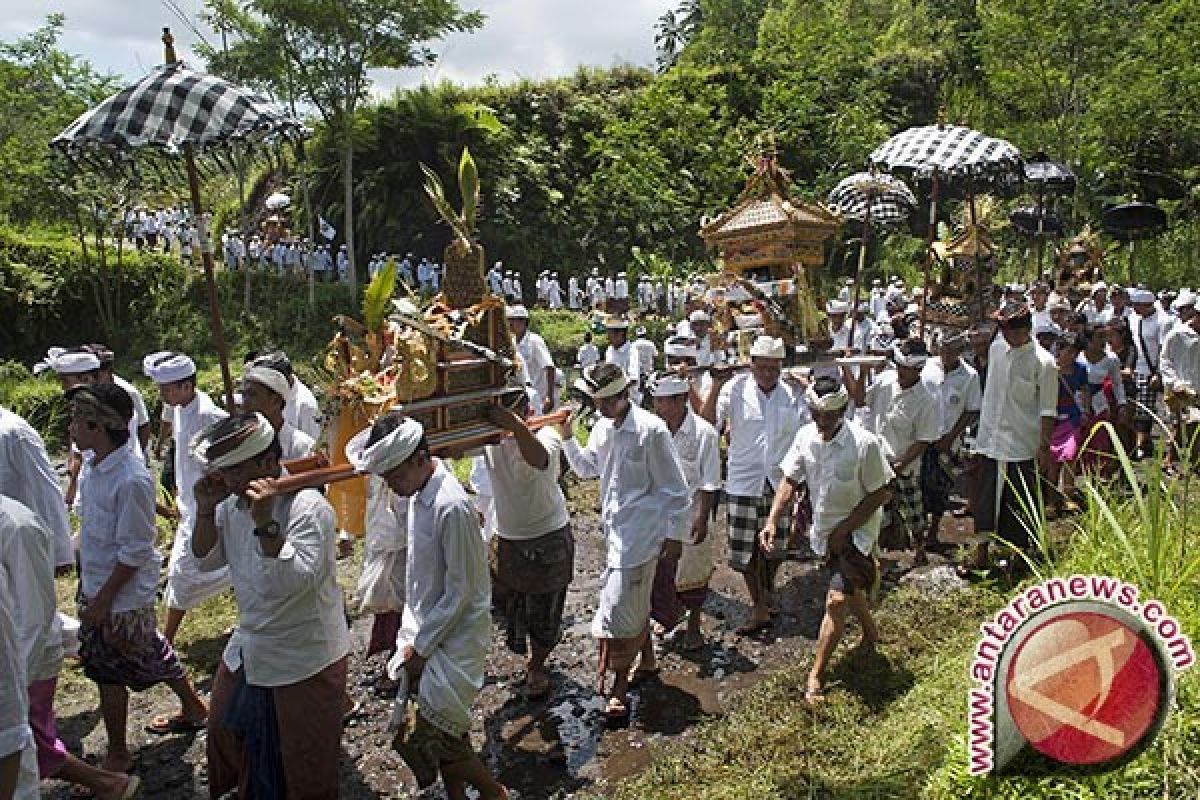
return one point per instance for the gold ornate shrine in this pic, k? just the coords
(767, 236)
(1080, 262)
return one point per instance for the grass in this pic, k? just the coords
(896, 726)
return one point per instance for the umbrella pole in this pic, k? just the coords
(1133, 262)
(975, 256)
(933, 203)
(858, 273)
(214, 307)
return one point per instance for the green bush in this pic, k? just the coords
(38, 399)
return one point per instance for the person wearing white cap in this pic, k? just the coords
(610, 288)
(535, 356)
(680, 355)
(1184, 306)
(554, 292)
(849, 480)
(445, 630)
(75, 367)
(191, 411)
(120, 646)
(495, 278)
(587, 354)
(265, 391)
(624, 354)
(26, 475)
(139, 426)
(904, 414)
(1149, 325)
(1180, 366)
(275, 726)
(506, 285)
(533, 551)
(574, 295)
(301, 410)
(1119, 307)
(682, 587)
(759, 415)
(699, 325)
(643, 494)
(959, 394)
(1093, 307)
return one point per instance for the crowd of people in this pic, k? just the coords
(843, 462)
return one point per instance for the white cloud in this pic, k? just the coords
(520, 39)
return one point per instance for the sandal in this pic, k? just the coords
(165, 726)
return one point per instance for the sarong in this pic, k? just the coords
(905, 513)
(187, 585)
(1065, 441)
(127, 650)
(1004, 503)
(746, 517)
(624, 608)
(51, 752)
(936, 482)
(666, 606)
(529, 586)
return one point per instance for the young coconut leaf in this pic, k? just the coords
(377, 299)
(468, 185)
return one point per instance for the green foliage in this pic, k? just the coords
(377, 299)
(39, 400)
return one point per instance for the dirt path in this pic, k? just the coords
(549, 748)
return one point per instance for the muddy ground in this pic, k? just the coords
(545, 749)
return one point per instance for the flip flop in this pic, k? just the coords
(131, 788)
(166, 726)
(753, 627)
(616, 709)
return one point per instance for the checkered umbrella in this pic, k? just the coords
(175, 111)
(951, 151)
(886, 200)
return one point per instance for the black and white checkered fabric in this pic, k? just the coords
(173, 106)
(888, 199)
(950, 150)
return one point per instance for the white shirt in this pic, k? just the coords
(26, 475)
(536, 356)
(140, 415)
(117, 526)
(447, 605)
(647, 351)
(1109, 366)
(1022, 388)
(529, 502)
(302, 411)
(186, 422)
(15, 734)
(628, 358)
(294, 443)
(698, 448)
(839, 474)
(957, 392)
(588, 354)
(27, 569)
(1148, 335)
(1180, 362)
(291, 623)
(1109, 313)
(760, 428)
(642, 489)
(901, 417)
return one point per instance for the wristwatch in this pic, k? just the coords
(270, 529)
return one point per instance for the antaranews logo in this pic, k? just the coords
(1078, 671)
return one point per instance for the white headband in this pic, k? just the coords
(834, 401)
(257, 440)
(914, 361)
(168, 367)
(64, 362)
(273, 379)
(669, 386)
(389, 452)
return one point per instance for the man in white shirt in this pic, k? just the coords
(265, 391)
(302, 410)
(955, 385)
(119, 644)
(1093, 308)
(27, 476)
(574, 296)
(903, 413)
(191, 412)
(1150, 325)
(74, 367)
(27, 572)
(554, 292)
(700, 324)
(642, 496)
(535, 355)
(759, 415)
(647, 351)
(848, 479)
(1180, 368)
(682, 587)
(680, 356)
(18, 763)
(1016, 420)
(533, 550)
(1040, 307)
(446, 628)
(275, 726)
(140, 426)
(588, 353)
(1119, 307)
(624, 354)
(495, 279)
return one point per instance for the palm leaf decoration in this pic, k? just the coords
(462, 223)
(377, 299)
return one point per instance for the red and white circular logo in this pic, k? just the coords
(1084, 688)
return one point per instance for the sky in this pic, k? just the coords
(519, 39)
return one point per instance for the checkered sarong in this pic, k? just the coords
(746, 517)
(906, 507)
(1146, 397)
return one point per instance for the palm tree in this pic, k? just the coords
(675, 29)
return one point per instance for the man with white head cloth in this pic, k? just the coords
(643, 494)
(760, 415)
(680, 356)
(624, 354)
(849, 480)
(446, 626)
(682, 586)
(73, 368)
(192, 411)
(265, 390)
(275, 726)
(535, 356)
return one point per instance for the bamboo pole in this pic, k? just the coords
(933, 204)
